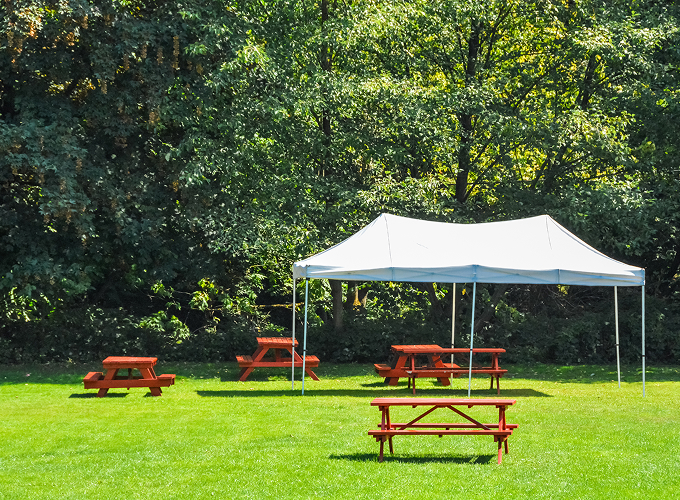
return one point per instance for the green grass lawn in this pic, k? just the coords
(579, 437)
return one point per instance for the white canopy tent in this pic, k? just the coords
(536, 250)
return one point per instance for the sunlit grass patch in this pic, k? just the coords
(579, 436)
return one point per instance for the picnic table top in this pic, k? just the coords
(284, 342)
(128, 361)
(431, 349)
(441, 402)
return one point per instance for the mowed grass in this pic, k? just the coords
(209, 436)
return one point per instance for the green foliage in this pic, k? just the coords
(171, 327)
(368, 341)
(171, 162)
(91, 334)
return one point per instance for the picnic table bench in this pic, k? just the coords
(405, 364)
(146, 378)
(414, 427)
(284, 354)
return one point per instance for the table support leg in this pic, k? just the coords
(311, 374)
(391, 446)
(244, 373)
(500, 456)
(298, 359)
(150, 374)
(382, 444)
(110, 375)
(259, 353)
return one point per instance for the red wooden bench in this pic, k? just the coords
(280, 346)
(147, 377)
(246, 361)
(388, 429)
(404, 364)
(456, 372)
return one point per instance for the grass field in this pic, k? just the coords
(208, 436)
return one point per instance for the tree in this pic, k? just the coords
(95, 96)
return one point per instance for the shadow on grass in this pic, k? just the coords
(462, 393)
(72, 374)
(383, 384)
(373, 457)
(385, 392)
(94, 395)
(460, 387)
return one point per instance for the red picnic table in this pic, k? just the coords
(404, 358)
(415, 427)
(405, 364)
(284, 354)
(147, 377)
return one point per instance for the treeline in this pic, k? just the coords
(163, 164)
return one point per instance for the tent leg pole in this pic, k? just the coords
(292, 360)
(304, 342)
(616, 324)
(472, 335)
(643, 341)
(453, 326)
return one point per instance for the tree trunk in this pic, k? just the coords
(466, 119)
(352, 293)
(336, 293)
(436, 310)
(326, 66)
(486, 315)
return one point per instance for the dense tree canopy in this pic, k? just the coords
(162, 164)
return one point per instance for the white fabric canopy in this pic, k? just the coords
(536, 250)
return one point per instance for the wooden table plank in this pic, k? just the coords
(441, 402)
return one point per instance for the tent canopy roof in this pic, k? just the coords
(536, 250)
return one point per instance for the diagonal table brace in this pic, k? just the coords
(479, 424)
